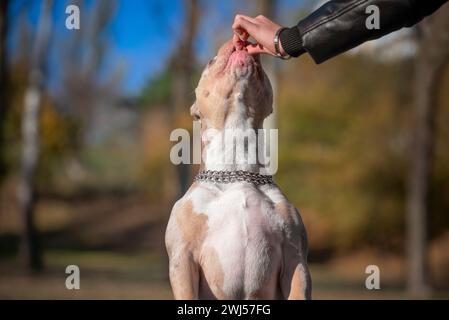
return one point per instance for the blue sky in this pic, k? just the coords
(142, 34)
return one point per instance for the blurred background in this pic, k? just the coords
(85, 118)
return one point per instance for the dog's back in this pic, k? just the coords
(240, 239)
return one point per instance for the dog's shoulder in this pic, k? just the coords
(187, 224)
(282, 206)
(292, 224)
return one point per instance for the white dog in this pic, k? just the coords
(241, 239)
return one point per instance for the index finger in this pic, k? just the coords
(245, 23)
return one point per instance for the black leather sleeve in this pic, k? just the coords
(340, 25)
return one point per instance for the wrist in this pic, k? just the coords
(278, 50)
(290, 41)
(281, 48)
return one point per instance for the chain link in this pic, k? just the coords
(233, 176)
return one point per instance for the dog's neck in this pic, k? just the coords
(232, 150)
(238, 146)
(231, 128)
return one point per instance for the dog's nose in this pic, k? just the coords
(240, 58)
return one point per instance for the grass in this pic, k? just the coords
(103, 275)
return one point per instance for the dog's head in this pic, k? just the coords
(233, 91)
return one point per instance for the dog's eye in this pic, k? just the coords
(196, 116)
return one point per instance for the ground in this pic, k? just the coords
(117, 242)
(108, 275)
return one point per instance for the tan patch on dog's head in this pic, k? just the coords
(221, 88)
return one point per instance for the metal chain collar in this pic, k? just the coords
(233, 176)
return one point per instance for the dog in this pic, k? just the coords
(235, 240)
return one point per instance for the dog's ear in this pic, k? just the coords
(194, 111)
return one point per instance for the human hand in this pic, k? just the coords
(261, 29)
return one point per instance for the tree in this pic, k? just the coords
(183, 66)
(271, 66)
(81, 57)
(431, 60)
(30, 137)
(4, 101)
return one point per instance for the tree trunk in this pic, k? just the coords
(4, 101)
(431, 59)
(417, 223)
(271, 65)
(30, 249)
(183, 64)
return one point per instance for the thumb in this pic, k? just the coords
(256, 48)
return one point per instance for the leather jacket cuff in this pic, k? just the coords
(291, 41)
